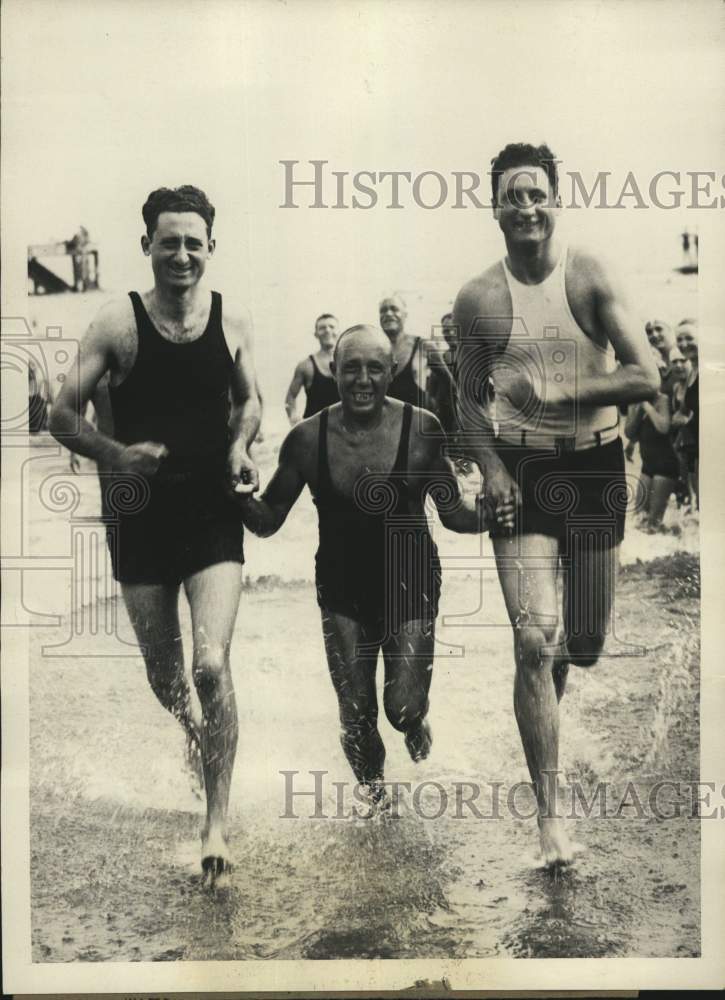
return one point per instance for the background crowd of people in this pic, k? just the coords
(667, 429)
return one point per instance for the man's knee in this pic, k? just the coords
(584, 650)
(405, 711)
(210, 672)
(535, 645)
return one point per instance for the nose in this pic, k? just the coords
(181, 256)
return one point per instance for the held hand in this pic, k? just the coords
(502, 496)
(243, 474)
(143, 458)
(75, 463)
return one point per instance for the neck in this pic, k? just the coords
(532, 264)
(326, 352)
(360, 423)
(176, 304)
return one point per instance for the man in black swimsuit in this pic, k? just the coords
(313, 372)
(369, 462)
(422, 377)
(185, 409)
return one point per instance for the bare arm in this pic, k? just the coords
(479, 328)
(457, 513)
(266, 515)
(246, 408)
(290, 401)
(441, 388)
(659, 413)
(633, 421)
(68, 423)
(637, 377)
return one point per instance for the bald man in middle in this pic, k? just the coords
(369, 462)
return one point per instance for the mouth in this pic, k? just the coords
(526, 227)
(180, 271)
(362, 397)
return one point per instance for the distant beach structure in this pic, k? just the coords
(67, 266)
(689, 252)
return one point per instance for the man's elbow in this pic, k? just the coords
(60, 421)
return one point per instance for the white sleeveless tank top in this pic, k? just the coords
(549, 345)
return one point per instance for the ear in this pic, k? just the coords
(211, 246)
(146, 244)
(333, 367)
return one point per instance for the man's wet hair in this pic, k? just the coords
(186, 198)
(356, 329)
(326, 316)
(523, 154)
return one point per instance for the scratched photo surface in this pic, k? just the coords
(347, 150)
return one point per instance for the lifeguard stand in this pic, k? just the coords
(84, 272)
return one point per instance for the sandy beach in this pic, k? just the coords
(115, 825)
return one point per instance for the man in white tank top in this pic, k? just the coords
(542, 332)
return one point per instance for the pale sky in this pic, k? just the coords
(105, 101)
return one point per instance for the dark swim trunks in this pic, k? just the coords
(583, 491)
(187, 523)
(377, 563)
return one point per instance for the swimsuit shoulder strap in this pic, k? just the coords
(401, 459)
(323, 465)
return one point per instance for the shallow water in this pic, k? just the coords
(115, 825)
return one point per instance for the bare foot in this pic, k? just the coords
(556, 848)
(376, 798)
(419, 741)
(215, 864)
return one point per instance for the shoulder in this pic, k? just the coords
(304, 367)
(237, 325)
(483, 297)
(588, 269)
(300, 440)
(113, 325)
(426, 436)
(481, 288)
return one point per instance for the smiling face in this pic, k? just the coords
(326, 332)
(364, 369)
(392, 316)
(526, 207)
(179, 249)
(660, 337)
(687, 341)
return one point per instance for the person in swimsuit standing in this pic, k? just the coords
(547, 325)
(369, 462)
(422, 377)
(185, 409)
(313, 372)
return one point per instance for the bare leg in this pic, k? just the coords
(645, 492)
(660, 491)
(527, 568)
(408, 673)
(213, 596)
(154, 613)
(353, 677)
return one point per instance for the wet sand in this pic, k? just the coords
(115, 826)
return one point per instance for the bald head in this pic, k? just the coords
(365, 339)
(393, 314)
